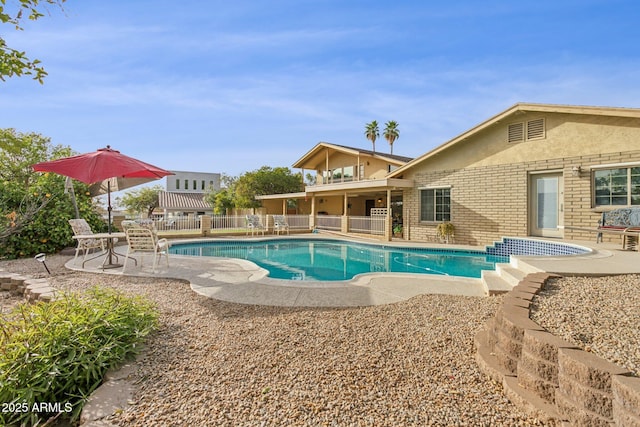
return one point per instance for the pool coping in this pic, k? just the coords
(243, 282)
(437, 250)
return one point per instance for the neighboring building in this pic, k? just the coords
(192, 182)
(532, 170)
(184, 195)
(173, 204)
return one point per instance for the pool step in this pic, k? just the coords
(510, 273)
(506, 276)
(523, 266)
(494, 284)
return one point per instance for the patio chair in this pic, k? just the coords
(254, 224)
(142, 239)
(140, 223)
(80, 227)
(280, 224)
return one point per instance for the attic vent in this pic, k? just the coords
(533, 129)
(516, 132)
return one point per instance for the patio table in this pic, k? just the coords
(111, 253)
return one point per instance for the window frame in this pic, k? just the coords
(437, 217)
(630, 195)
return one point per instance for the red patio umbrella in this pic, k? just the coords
(104, 165)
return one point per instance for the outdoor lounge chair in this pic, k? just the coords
(80, 227)
(141, 238)
(254, 224)
(280, 224)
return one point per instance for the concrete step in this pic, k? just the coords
(510, 274)
(521, 265)
(494, 284)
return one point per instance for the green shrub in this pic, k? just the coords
(57, 353)
(27, 228)
(49, 230)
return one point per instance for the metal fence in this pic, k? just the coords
(329, 222)
(228, 223)
(178, 223)
(367, 224)
(221, 224)
(297, 222)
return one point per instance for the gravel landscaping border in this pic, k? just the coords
(410, 363)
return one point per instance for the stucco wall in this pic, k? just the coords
(186, 180)
(567, 135)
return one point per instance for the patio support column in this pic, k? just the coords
(312, 214)
(388, 224)
(284, 206)
(326, 168)
(346, 205)
(345, 214)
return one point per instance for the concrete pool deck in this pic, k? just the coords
(240, 281)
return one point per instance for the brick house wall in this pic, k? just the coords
(489, 176)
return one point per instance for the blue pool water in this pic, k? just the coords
(320, 259)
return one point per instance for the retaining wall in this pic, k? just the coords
(32, 289)
(548, 377)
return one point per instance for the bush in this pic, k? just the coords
(54, 355)
(48, 231)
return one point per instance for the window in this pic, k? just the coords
(195, 186)
(617, 187)
(348, 173)
(202, 185)
(435, 204)
(177, 184)
(519, 132)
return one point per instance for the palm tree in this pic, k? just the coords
(371, 132)
(391, 132)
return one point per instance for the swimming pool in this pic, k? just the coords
(331, 260)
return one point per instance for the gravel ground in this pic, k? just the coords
(600, 315)
(218, 363)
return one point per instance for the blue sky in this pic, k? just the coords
(230, 86)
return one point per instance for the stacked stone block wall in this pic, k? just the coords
(549, 377)
(490, 202)
(32, 289)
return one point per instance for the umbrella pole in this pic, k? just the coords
(109, 206)
(109, 242)
(110, 264)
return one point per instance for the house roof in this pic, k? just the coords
(515, 109)
(310, 158)
(177, 200)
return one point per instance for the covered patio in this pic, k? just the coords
(369, 207)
